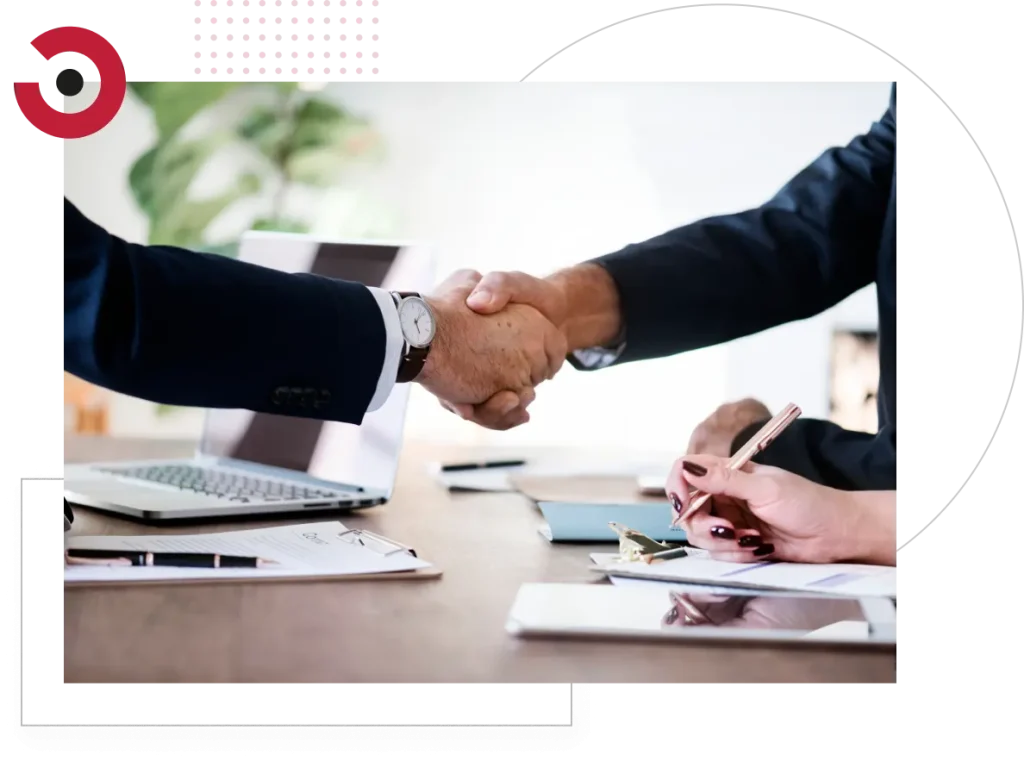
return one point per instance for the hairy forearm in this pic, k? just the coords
(873, 527)
(593, 316)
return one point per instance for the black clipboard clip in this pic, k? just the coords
(375, 542)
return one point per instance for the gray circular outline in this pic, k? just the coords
(956, 117)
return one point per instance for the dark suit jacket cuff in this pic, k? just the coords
(746, 435)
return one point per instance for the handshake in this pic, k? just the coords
(497, 338)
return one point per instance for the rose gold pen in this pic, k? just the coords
(758, 443)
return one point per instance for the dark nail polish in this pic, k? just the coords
(722, 532)
(676, 504)
(694, 469)
(751, 540)
(764, 549)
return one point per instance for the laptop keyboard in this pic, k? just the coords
(224, 484)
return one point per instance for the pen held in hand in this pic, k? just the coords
(167, 559)
(757, 443)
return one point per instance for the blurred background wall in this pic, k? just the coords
(501, 176)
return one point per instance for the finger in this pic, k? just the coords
(739, 556)
(710, 474)
(513, 420)
(464, 411)
(678, 491)
(504, 410)
(447, 406)
(517, 417)
(733, 512)
(709, 532)
(496, 407)
(497, 289)
(556, 349)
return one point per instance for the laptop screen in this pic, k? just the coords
(364, 455)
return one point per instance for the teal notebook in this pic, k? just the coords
(586, 522)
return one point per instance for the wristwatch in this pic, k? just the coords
(418, 327)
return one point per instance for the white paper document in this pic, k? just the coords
(846, 579)
(684, 586)
(312, 549)
(481, 479)
(563, 466)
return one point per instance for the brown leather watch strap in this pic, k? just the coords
(411, 364)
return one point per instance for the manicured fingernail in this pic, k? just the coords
(722, 532)
(694, 469)
(677, 505)
(750, 540)
(764, 549)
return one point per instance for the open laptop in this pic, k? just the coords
(255, 463)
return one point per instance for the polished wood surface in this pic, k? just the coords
(450, 629)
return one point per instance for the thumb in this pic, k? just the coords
(493, 292)
(710, 474)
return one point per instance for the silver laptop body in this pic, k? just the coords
(254, 463)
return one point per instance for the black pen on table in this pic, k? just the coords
(481, 465)
(170, 559)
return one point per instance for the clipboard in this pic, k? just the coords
(420, 574)
(367, 540)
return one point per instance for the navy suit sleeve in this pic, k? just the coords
(184, 328)
(829, 454)
(806, 249)
(725, 277)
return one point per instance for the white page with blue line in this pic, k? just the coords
(847, 579)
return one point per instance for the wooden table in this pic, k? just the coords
(446, 630)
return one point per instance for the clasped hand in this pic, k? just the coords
(497, 358)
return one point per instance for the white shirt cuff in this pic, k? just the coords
(392, 348)
(598, 358)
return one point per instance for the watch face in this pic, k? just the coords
(417, 322)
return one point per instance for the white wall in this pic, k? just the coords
(538, 176)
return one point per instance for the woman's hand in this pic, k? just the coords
(760, 513)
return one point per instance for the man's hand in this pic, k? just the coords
(506, 293)
(715, 435)
(497, 289)
(497, 357)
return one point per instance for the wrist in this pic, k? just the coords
(432, 367)
(872, 531)
(591, 301)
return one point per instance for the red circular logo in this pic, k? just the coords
(113, 84)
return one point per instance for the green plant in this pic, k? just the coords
(289, 138)
(281, 138)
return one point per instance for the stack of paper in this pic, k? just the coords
(846, 579)
(687, 587)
